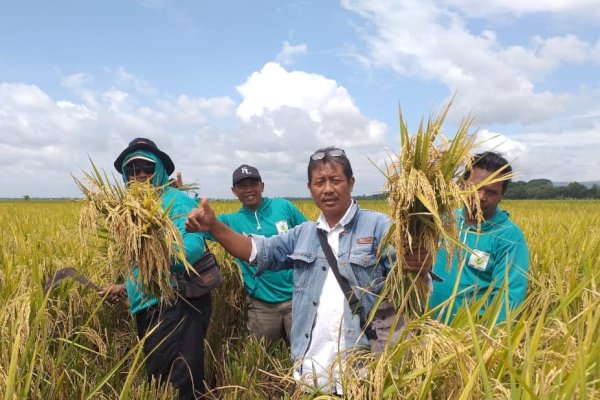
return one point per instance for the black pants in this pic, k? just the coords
(175, 349)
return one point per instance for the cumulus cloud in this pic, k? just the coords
(283, 116)
(286, 115)
(31, 118)
(334, 115)
(273, 87)
(426, 40)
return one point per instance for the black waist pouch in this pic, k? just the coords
(204, 277)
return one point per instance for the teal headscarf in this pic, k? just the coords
(160, 177)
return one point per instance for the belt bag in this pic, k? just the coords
(204, 277)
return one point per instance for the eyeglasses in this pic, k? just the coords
(133, 170)
(319, 155)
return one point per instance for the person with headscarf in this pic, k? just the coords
(174, 345)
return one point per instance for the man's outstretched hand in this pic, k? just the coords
(201, 219)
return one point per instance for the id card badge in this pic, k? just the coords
(282, 226)
(479, 260)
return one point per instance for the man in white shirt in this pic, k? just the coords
(324, 327)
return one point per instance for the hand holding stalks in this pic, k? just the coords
(419, 262)
(113, 293)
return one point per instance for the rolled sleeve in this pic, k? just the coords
(252, 252)
(272, 253)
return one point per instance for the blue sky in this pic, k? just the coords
(217, 84)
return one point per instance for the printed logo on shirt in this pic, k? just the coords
(365, 240)
(281, 226)
(479, 260)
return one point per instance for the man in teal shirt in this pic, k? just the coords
(498, 251)
(269, 296)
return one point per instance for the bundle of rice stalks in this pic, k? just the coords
(137, 230)
(423, 188)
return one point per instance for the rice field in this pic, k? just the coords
(69, 345)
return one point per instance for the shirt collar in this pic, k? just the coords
(322, 222)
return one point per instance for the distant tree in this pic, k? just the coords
(517, 190)
(545, 189)
(575, 190)
(541, 189)
(540, 182)
(26, 197)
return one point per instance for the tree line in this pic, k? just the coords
(533, 189)
(545, 189)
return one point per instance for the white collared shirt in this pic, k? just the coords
(321, 364)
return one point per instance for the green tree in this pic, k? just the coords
(575, 190)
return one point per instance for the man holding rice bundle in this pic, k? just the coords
(175, 347)
(498, 254)
(324, 327)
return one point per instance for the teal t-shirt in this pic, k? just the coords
(499, 245)
(274, 216)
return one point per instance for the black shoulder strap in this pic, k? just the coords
(348, 292)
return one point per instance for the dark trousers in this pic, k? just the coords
(175, 349)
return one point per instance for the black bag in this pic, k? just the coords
(204, 277)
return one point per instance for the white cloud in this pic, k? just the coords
(29, 117)
(286, 115)
(273, 87)
(273, 90)
(425, 40)
(511, 148)
(547, 55)
(584, 8)
(290, 52)
(125, 79)
(77, 82)
(565, 155)
(43, 140)
(282, 118)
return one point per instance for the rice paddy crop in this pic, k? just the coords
(67, 344)
(423, 188)
(135, 228)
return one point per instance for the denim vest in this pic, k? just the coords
(299, 248)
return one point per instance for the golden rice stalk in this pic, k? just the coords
(423, 188)
(137, 230)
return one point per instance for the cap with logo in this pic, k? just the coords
(245, 171)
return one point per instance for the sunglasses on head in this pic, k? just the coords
(319, 155)
(134, 169)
